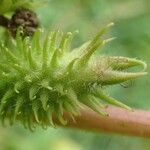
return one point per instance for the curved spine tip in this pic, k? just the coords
(103, 96)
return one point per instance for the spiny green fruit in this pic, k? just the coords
(41, 77)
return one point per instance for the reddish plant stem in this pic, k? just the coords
(120, 121)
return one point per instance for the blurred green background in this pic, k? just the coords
(132, 29)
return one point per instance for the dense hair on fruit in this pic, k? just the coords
(39, 77)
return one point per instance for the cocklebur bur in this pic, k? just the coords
(40, 78)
